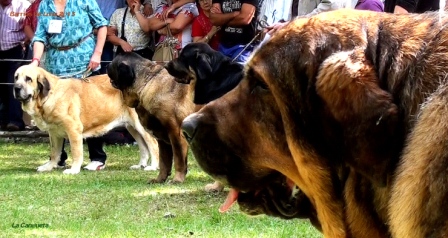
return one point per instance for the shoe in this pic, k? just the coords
(58, 166)
(95, 165)
(12, 127)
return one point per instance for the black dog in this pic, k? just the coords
(215, 73)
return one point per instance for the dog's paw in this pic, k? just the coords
(137, 166)
(71, 171)
(45, 167)
(150, 168)
(214, 187)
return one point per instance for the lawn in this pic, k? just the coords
(118, 202)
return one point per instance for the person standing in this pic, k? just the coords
(202, 29)
(12, 39)
(123, 21)
(238, 20)
(73, 51)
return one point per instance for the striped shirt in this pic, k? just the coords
(12, 20)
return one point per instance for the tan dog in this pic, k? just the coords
(77, 109)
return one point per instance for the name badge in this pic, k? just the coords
(55, 26)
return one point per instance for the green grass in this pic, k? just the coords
(118, 202)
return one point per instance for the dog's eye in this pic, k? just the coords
(259, 86)
(28, 79)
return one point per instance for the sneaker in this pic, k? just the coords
(95, 165)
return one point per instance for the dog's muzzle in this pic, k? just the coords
(20, 94)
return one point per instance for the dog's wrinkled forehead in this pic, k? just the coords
(26, 73)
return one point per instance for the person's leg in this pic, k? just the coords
(3, 92)
(15, 113)
(96, 151)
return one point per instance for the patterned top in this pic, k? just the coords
(188, 9)
(31, 15)
(134, 34)
(11, 24)
(202, 26)
(78, 22)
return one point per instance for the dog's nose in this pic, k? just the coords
(189, 127)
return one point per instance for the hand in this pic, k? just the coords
(111, 31)
(275, 27)
(95, 60)
(126, 46)
(34, 63)
(167, 12)
(215, 10)
(215, 29)
(135, 6)
(147, 10)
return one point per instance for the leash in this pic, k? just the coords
(263, 25)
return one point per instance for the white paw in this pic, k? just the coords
(137, 166)
(150, 168)
(45, 167)
(71, 171)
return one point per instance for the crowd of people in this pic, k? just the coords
(78, 38)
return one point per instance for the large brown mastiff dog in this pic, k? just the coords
(161, 104)
(76, 109)
(350, 90)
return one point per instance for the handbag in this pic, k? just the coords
(166, 50)
(119, 49)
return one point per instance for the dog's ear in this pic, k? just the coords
(204, 68)
(177, 69)
(125, 76)
(350, 91)
(43, 84)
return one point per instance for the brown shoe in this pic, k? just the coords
(12, 127)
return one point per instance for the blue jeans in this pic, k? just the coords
(233, 51)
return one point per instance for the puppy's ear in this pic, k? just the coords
(177, 69)
(125, 75)
(204, 68)
(351, 94)
(43, 84)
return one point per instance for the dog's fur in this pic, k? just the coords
(349, 105)
(76, 109)
(210, 73)
(161, 104)
(365, 90)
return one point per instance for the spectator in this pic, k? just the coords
(12, 40)
(238, 20)
(135, 39)
(372, 5)
(72, 50)
(202, 29)
(107, 7)
(31, 22)
(179, 15)
(410, 6)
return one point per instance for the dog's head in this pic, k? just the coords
(123, 75)
(212, 73)
(30, 82)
